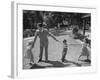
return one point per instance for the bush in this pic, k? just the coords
(79, 36)
(75, 30)
(28, 33)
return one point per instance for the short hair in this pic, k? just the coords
(40, 25)
(64, 40)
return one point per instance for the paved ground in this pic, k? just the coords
(55, 52)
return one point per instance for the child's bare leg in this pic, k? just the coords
(46, 52)
(79, 57)
(32, 59)
(88, 57)
(63, 56)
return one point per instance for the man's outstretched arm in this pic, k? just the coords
(53, 37)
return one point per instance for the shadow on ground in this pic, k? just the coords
(87, 60)
(56, 64)
(75, 63)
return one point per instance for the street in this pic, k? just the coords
(55, 53)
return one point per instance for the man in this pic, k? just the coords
(43, 35)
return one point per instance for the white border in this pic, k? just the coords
(17, 70)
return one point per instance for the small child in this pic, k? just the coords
(65, 48)
(29, 53)
(85, 51)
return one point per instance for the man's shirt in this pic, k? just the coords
(43, 35)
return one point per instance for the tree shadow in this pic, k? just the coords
(75, 63)
(54, 64)
(87, 61)
(60, 32)
(36, 66)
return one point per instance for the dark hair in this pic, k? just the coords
(86, 40)
(40, 25)
(64, 40)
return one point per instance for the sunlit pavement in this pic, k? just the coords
(55, 53)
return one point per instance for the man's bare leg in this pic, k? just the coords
(32, 58)
(41, 53)
(88, 57)
(79, 57)
(46, 53)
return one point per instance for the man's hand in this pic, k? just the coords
(57, 40)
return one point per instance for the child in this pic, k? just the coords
(85, 51)
(65, 48)
(29, 53)
(88, 41)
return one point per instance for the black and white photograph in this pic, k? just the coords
(54, 39)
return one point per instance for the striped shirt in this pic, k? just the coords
(65, 45)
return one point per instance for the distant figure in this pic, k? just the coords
(43, 35)
(85, 51)
(75, 30)
(65, 48)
